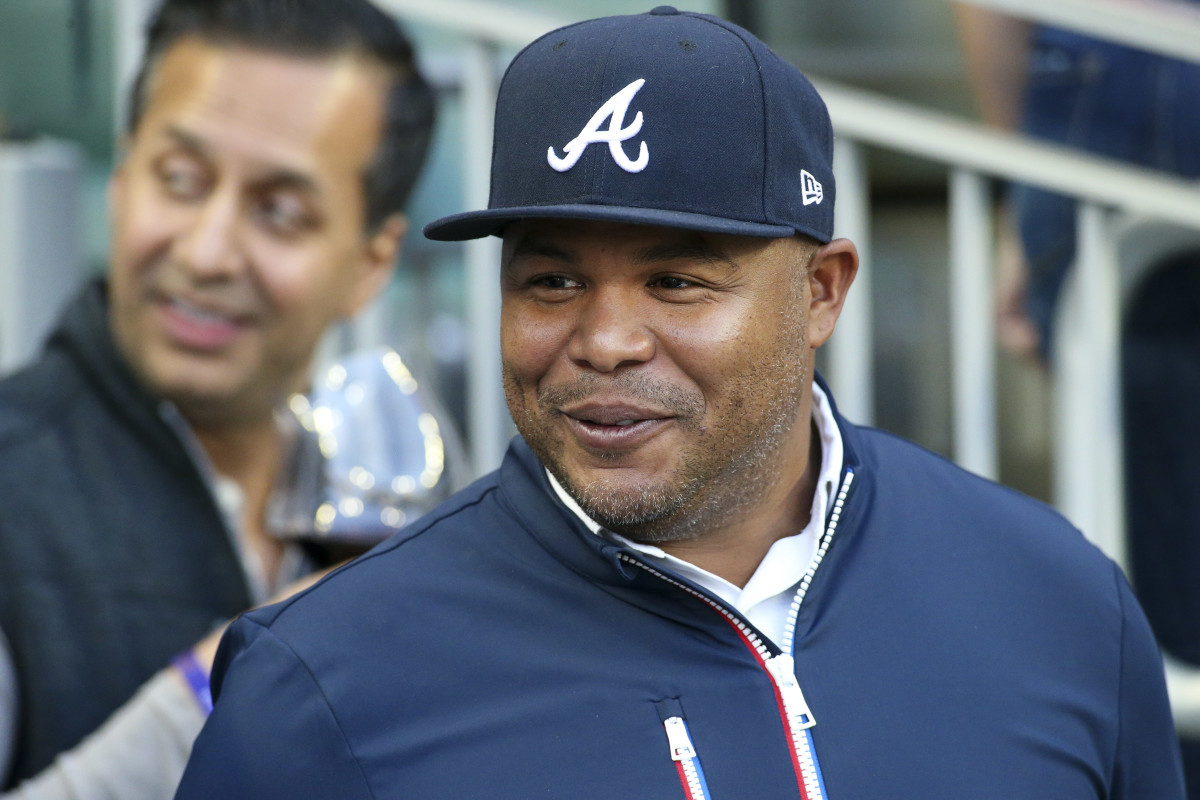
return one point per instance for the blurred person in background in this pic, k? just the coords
(270, 150)
(1111, 100)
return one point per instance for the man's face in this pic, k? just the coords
(238, 223)
(661, 375)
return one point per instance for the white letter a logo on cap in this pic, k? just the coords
(615, 107)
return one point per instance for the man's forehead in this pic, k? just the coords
(269, 104)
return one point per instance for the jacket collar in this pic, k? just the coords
(851, 436)
(527, 491)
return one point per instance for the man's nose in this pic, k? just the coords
(610, 332)
(209, 245)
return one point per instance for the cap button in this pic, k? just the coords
(664, 11)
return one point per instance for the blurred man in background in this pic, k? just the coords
(271, 147)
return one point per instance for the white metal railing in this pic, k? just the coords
(1088, 451)
(1089, 432)
(1088, 455)
(1159, 26)
(129, 40)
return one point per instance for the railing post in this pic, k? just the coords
(487, 416)
(972, 332)
(851, 370)
(1183, 686)
(129, 40)
(1089, 486)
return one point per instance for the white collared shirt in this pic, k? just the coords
(767, 597)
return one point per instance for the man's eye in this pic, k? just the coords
(284, 214)
(556, 282)
(673, 282)
(182, 180)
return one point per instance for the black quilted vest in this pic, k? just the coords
(113, 554)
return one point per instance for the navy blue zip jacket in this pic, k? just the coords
(957, 641)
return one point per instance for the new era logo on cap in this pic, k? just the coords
(811, 190)
(614, 110)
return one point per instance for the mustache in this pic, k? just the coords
(237, 297)
(679, 400)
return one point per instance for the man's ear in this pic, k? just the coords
(830, 273)
(381, 250)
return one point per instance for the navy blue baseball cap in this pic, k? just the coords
(666, 118)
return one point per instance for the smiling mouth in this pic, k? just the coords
(614, 417)
(620, 425)
(198, 328)
(200, 315)
(609, 428)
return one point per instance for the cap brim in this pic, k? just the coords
(477, 224)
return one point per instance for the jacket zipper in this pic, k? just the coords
(683, 753)
(794, 712)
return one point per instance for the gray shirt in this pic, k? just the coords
(138, 754)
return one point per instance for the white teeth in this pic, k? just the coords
(199, 314)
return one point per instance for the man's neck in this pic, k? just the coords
(249, 455)
(735, 551)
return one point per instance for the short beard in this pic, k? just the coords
(650, 514)
(697, 498)
(643, 507)
(706, 499)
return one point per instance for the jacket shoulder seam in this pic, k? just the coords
(266, 630)
(421, 527)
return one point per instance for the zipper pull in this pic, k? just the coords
(783, 671)
(678, 739)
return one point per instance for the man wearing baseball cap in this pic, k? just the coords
(691, 577)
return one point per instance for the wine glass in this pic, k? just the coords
(369, 451)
